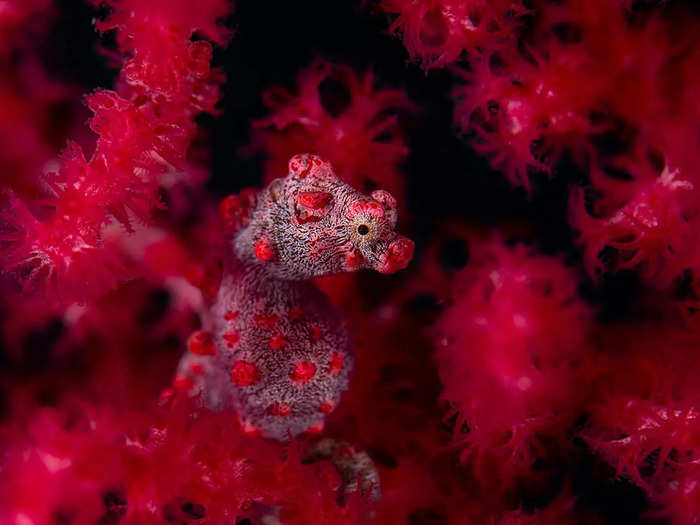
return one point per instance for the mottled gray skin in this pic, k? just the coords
(305, 225)
(356, 468)
(249, 290)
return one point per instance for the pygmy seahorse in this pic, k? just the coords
(272, 348)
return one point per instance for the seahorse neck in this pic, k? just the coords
(254, 281)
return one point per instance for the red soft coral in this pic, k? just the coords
(33, 126)
(527, 111)
(91, 463)
(144, 131)
(644, 419)
(361, 135)
(650, 232)
(141, 18)
(648, 215)
(17, 18)
(437, 32)
(64, 254)
(583, 71)
(509, 352)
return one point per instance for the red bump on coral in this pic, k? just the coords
(251, 430)
(316, 428)
(316, 333)
(183, 384)
(352, 259)
(303, 165)
(235, 209)
(196, 368)
(370, 208)
(296, 313)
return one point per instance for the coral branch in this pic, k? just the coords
(144, 128)
(437, 32)
(355, 126)
(508, 369)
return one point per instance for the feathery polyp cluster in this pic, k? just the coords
(648, 233)
(438, 32)
(144, 129)
(339, 114)
(508, 350)
(525, 112)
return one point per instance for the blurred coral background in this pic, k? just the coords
(536, 363)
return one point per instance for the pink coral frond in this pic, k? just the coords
(526, 113)
(360, 132)
(506, 367)
(438, 32)
(649, 232)
(144, 129)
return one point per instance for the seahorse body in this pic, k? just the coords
(272, 348)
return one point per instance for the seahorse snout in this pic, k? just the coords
(398, 254)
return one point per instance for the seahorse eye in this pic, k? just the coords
(363, 229)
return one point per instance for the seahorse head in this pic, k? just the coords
(311, 223)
